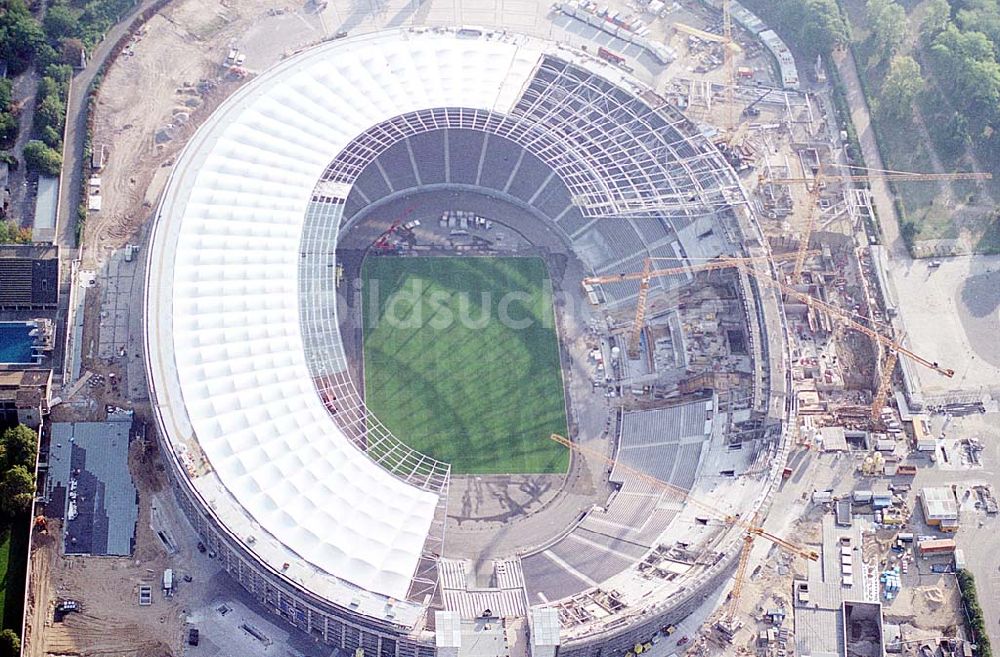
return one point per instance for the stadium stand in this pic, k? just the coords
(245, 354)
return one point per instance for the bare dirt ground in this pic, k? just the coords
(164, 85)
(111, 623)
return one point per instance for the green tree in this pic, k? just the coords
(17, 490)
(41, 158)
(901, 87)
(11, 233)
(6, 94)
(60, 22)
(8, 128)
(937, 13)
(51, 137)
(10, 644)
(887, 20)
(20, 35)
(61, 74)
(967, 70)
(980, 16)
(21, 446)
(51, 111)
(71, 51)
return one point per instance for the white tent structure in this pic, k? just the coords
(236, 398)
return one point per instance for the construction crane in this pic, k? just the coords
(729, 49)
(648, 274)
(884, 384)
(822, 177)
(752, 528)
(840, 315)
(729, 65)
(725, 518)
(708, 36)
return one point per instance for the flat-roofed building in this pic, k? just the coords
(940, 506)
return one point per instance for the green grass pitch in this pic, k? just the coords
(449, 377)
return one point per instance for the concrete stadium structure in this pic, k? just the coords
(315, 507)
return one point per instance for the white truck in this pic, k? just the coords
(168, 582)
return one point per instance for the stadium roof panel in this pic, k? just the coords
(223, 315)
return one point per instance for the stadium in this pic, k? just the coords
(296, 431)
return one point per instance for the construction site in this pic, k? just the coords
(770, 453)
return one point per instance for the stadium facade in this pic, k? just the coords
(311, 504)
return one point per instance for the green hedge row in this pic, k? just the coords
(974, 613)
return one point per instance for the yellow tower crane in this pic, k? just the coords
(648, 274)
(730, 48)
(841, 316)
(752, 528)
(818, 181)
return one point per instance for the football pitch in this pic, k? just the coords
(462, 361)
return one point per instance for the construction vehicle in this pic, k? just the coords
(751, 109)
(609, 56)
(816, 183)
(648, 274)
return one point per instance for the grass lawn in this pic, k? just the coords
(450, 377)
(13, 568)
(967, 216)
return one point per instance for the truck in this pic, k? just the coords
(609, 56)
(168, 581)
(936, 546)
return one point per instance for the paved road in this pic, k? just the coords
(882, 197)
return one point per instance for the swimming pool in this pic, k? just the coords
(16, 341)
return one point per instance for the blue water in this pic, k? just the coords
(15, 342)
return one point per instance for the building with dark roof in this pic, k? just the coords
(29, 277)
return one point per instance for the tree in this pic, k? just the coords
(41, 158)
(51, 137)
(21, 446)
(17, 491)
(59, 23)
(10, 644)
(8, 128)
(967, 69)
(6, 94)
(51, 111)
(888, 24)
(11, 233)
(901, 87)
(20, 35)
(937, 13)
(981, 16)
(71, 51)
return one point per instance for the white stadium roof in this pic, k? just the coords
(234, 392)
